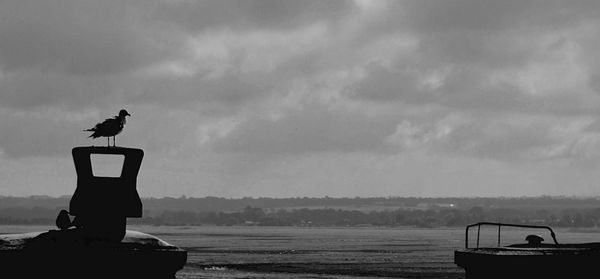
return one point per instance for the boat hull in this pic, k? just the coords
(562, 261)
(57, 254)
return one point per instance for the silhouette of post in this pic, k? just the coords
(102, 204)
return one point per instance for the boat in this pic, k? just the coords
(96, 244)
(530, 259)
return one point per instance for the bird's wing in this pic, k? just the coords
(106, 128)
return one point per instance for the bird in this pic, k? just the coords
(63, 221)
(109, 127)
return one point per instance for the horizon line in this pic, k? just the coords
(338, 197)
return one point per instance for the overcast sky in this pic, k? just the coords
(307, 98)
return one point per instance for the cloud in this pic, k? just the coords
(227, 92)
(504, 137)
(384, 84)
(311, 129)
(42, 133)
(254, 91)
(28, 90)
(194, 16)
(77, 37)
(499, 138)
(53, 132)
(490, 55)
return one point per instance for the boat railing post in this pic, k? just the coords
(478, 230)
(499, 226)
(553, 236)
(467, 237)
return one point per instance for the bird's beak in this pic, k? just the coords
(128, 114)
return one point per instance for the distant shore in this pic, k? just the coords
(559, 212)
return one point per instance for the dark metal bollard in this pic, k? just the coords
(102, 204)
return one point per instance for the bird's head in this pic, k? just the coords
(123, 113)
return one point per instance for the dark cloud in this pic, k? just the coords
(459, 89)
(32, 89)
(385, 84)
(534, 86)
(84, 54)
(195, 16)
(474, 42)
(29, 90)
(77, 37)
(259, 93)
(231, 90)
(490, 16)
(468, 15)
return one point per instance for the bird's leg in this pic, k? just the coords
(108, 141)
(114, 141)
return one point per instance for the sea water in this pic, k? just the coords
(316, 252)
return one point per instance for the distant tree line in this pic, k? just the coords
(28, 216)
(389, 212)
(388, 218)
(217, 204)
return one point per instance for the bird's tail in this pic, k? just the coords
(90, 130)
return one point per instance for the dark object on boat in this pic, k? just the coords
(99, 246)
(533, 259)
(534, 240)
(63, 221)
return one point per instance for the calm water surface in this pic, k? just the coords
(291, 252)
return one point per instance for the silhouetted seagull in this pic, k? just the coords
(63, 221)
(109, 127)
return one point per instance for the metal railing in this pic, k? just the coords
(478, 225)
